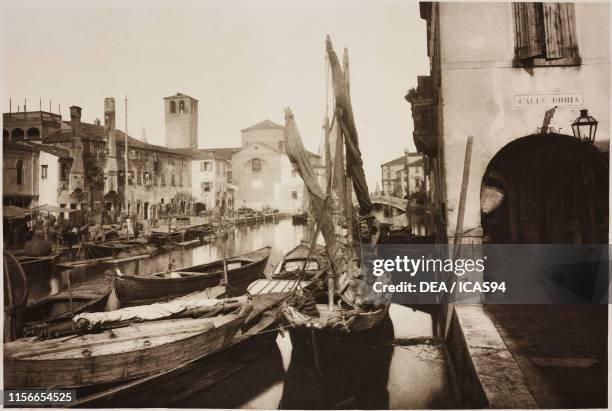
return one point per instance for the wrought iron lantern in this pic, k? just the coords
(585, 127)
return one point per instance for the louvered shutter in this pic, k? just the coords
(528, 39)
(560, 30)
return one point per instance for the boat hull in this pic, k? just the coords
(323, 348)
(299, 219)
(147, 289)
(180, 383)
(161, 240)
(57, 308)
(120, 354)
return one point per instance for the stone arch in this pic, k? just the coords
(545, 189)
(33, 133)
(17, 133)
(182, 108)
(173, 106)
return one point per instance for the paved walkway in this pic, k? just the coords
(560, 349)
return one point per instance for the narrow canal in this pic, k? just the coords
(408, 370)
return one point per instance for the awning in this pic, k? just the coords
(11, 211)
(48, 208)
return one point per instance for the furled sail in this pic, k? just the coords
(344, 115)
(319, 203)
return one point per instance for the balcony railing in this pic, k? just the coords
(32, 116)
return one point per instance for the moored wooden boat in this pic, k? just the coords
(300, 218)
(319, 331)
(335, 334)
(41, 315)
(109, 252)
(125, 352)
(199, 232)
(38, 265)
(402, 236)
(164, 239)
(116, 249)
(257, 334)
(241, 271)
(290, 266)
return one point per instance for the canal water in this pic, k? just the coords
(409, 370)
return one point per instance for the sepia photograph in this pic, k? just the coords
(267, 204)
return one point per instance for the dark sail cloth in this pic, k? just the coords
(319, 206)
(354, 163)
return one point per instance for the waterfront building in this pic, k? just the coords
(395, 180)
(19, 174)
(516, 81)
(263, 172)
(78, 153)
(209, 180)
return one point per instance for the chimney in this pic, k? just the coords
(75, 122)
(77, 174)
(109, 124)
(110, 167)
(109, 113)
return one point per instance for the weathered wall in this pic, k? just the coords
(29, 159)
(216, 177)
(480, 88)
(268, 136)
(256, 188)
(48, 187)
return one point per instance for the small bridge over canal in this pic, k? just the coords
(397, 203)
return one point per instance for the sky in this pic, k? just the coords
(244, 60)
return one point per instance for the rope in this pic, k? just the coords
(302, 272)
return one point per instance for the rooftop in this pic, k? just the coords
(95, 132)
(222, 152)
(264, 125)
(416, 159)
(179, 95)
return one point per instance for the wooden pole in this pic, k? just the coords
(462, 197)
(407, 175)
(460, 214)
(127, 167)
(348, 186)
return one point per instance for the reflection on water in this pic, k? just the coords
(282, 236)
(379, 375)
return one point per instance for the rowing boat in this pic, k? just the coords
(313, 263)
(42, 314)
(241, 271)
(257, 334)
(118, 346)
(162, 239)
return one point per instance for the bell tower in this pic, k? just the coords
(181, 116)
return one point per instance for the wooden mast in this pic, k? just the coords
(348, 183)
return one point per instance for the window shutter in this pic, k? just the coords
(560, 30)
(528, 39)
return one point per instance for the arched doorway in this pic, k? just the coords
(546, 189)
(33, 133)
(17, 133)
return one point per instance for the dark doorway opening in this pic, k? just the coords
(550, 189)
